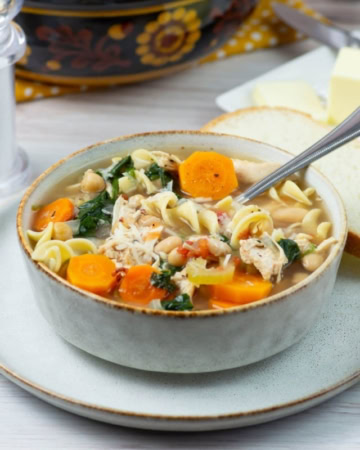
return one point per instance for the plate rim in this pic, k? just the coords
(25, 383)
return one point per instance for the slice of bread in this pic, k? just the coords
(295, 131)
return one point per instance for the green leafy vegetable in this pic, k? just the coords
(115, 189)
(124, 165)
(291, 250)
(92, 214)
(154, 172)
(225, 239)
(311, 249)
(165, 266)
(162, 280)
(181, 302)
(112, 174)
(131, 172)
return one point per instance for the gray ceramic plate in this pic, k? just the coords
(323, 364)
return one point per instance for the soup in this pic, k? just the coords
(151, 230)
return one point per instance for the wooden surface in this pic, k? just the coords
(50, 129)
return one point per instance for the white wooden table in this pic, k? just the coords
(50, 129)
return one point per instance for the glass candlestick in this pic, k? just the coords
(14, 166)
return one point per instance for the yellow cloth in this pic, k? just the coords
(263, 29)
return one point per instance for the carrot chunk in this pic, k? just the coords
(136, 286)
(214, 303)
(208, 174)
(60, 210)
(244, 288)
(93, 273)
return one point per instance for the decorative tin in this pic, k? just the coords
(89, 43)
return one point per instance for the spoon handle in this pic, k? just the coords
(347, 131)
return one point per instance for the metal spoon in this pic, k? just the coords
(347, 131)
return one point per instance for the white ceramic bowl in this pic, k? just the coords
(184, 342)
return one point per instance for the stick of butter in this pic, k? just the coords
(297, 95)
(344, 95)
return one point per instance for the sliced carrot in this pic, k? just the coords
(214, 303)
(208, 174)
(244, 288)
(93, 273)
(60, 210)
(136, 286)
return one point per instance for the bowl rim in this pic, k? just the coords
(268, 301)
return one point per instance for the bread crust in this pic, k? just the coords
(353, 244)
(353, 240)
(239, 112)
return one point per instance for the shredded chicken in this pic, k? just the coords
(167, 161)
(135, 201)
(268, 261)
(132, 241)
(304, 242)
(250, 172)
(128, 246)
(124, 212)
(325, 245)
(218, 248)
(185, 286)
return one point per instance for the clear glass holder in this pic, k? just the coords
(14, 164)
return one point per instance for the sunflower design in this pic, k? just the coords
(169, 37)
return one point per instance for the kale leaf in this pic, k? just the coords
(165, 266)
(115, 189)
(131, 172)
(225, 239)
(91, 214)
(124, 165)
(112, 174)
(154, 172)
(291, 250)
(162, 280)
(181, 302)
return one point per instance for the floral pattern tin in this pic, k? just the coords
(123, 42)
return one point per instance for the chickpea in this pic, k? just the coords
(312, 262)
(168, 244)
(289, 215)
(62, 231)
(175, 258)
(92, 182)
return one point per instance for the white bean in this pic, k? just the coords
(289, 215)
(168, 244)
(312, 262)
(175, 258)
(92, 182)
(62, 231)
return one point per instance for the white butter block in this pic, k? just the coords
(344, 94)
(297, 95)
